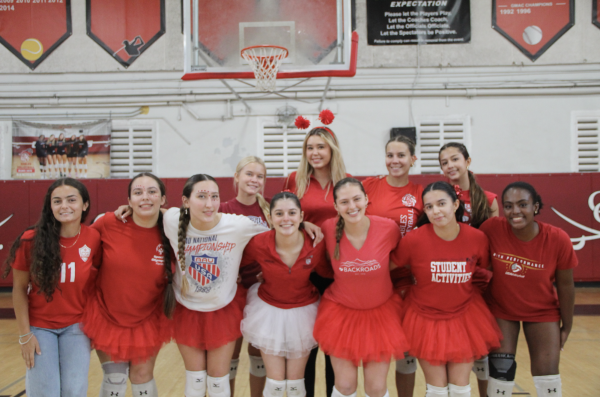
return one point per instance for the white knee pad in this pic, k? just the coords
(407, 365)
(145, 389)
(274, 388)
(218, 387)
(459, 391)
(114, 382)
(257, 367)
(233, 368)
(548, 386)
(296, 388)
(336, 393)
(387, 394)
(497, 387)
(195, 383)
(435, 391)
(481, 368)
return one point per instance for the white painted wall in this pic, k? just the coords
(520, 111)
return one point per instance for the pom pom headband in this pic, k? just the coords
(326, 117)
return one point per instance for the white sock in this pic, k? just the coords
(296, 388)
(274, 388)
(218, 387)
(336, 393)
(435, 391)
(195, 383)
(498, 387)
(233, 366)
(459, 391)
(145, 389)
(549, 385)
(114, 382)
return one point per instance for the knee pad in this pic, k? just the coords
(459, 391)
(274, 388)
(257, 367)
(499, 387)
(407, 365)
(233, 368)
(502, 366)
(548, 386)
(481, 368)
(296, 388)
(145, 389)
(114, 382)
(435, 391)
(195, 383)
(336, 393)
(218, 387)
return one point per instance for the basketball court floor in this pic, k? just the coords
(579, 365)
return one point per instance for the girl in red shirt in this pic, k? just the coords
(446, 321)
(126, 317)
(280, 314)
(396, 197)
(359, 315)
(52, 264)
(528, 257)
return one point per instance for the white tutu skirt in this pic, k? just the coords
(279, 332)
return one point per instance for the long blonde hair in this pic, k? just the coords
(264, 206)
(337, 168)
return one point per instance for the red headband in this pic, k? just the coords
(326, 117)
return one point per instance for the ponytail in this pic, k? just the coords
(265, 207)
(184, 221)
(169, 297)
(480, 208)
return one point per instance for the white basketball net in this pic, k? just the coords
(265, 62)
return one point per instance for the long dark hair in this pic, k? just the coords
(169, 297)
(46, 260)
(449, 190)
(339, 226)
(286, 196)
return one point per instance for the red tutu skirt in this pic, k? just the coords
(209, 330)
(361, 335)
(136, 344)
(464, 338)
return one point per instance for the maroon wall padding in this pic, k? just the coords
(567, 193)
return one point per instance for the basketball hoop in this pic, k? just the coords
(265, 61)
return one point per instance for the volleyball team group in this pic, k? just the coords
(444, 275)
(60, 157)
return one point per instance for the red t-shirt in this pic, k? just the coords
(403, 205)
(443, 269)
(284, 287)
(131, 280)
(524, 271)
(362, 277)
(254, 212)
(317, 203)
(465, 197)
(69, 298)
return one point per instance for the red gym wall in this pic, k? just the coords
(569, 194)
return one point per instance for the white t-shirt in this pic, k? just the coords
(212, 259)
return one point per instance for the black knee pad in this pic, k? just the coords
(503, 366)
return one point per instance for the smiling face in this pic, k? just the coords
(286, 217)
(351, 203)
(145, 198)
(398, 159)
(67, 205)
(251, 179)
(519, 208)
(440, 208)
(453, 164)
(203, 204)
(318, 152)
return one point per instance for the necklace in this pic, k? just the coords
(78, 233)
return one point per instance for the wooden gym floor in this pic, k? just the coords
(580, 365)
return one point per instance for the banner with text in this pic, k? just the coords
(50, 151)
(418, 22)
(533, 26)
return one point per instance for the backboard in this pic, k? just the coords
(317, 33)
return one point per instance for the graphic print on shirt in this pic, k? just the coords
(204, 269)
(258, 220)
(159, 257)
(517, 266)
(207, 262)
(467, 216)
(359, 266)
(409, 200)
(451, 272)
(84, 253)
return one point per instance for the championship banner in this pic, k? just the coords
(595, 13)
(32, 29)
(534, 26)
(125, 28)
(51, 151)
(418, 22)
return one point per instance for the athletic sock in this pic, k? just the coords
(500, 387)
(548, 386)
(435, 391)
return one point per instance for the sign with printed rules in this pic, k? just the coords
(32, 29)
(533, 26)
(418, 22)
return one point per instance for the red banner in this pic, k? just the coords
(533, 27)
(596, 12)
(125, 28)
(32, 29)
